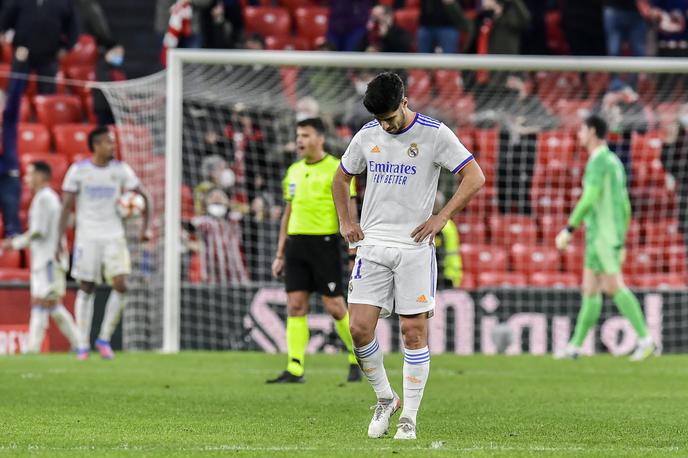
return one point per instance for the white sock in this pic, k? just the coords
(37, 326)
(416, 371)
(370, 358)
(83, 310)
(113, 312)
(66, 323)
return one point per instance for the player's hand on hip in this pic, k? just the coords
(351, 232)
(563, 239)
(278, 266)
(429, 229)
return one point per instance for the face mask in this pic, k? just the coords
(361, 87)
(116, 60)
(227, 178)
(217, 210)
(683, 120)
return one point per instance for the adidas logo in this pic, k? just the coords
(422, 299)
(375, 149)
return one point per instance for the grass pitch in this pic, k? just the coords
(216, 404)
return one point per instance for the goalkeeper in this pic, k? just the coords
(309, 248)
(606, 210)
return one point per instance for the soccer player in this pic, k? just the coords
(395, 268)
(606, 210)
(47, 275)
(100, 247)
(309, 248)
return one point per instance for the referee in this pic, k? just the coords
(309, 248)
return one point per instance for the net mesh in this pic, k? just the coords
(238, 138)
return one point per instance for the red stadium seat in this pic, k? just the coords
(311, 23)
(25, 110)
(279, 43)
(467, 282)
(529, 259)
(654, 203)
(556, 41)
(188, 210)
(674, 259)
(449, 88)
(467, 139)
(10, 259)
(662, 233)
(5, 70)
(643, 261)
(33, 138)
(57, 109)
(554, 86)
(15, 274)
(554, 280)
(574, 257)
(484, 202)
(133, 141)
(71, 139)
(659, 281)
(472, 229)
(292, 5)
(407, 19)
(633, 236)
(266, 20)
(419, 87)
(83, 74)
(85, 52)
(550, 225)
(480, 258)
(507, 230)
(572, 112)
(555, 147)
(59, 165)
(502, 279)
(645, 148)
(487, 145)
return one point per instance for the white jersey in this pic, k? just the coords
(402, 174)
(44, 219)
(98, 189)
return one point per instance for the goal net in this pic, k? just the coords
(218, 130)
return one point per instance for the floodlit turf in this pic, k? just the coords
(216, 404)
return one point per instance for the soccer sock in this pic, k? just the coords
(342, 328)
(416, 371)
(589, 313)
(83, 311)
(370, 359)
(113, 311)
(37, 326)
(629, 306)
(297, 339)
(66, 323)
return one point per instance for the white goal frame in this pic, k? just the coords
(173, 136)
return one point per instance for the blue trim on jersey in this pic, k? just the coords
(83, 162)
(422, 123)
(429, 119)
(370, 124)
(345, 170)
(463, 164)
(406, 128)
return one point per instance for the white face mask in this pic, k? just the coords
(683, 120)
(217, 210)
(361, 87)
(227, 178)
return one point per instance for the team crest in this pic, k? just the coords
(413, 150)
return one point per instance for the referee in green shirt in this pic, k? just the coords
(309, 248)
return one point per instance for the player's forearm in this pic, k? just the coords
(284, 225)
(473, 180)
(353, 209)
(148, 214)
(340, 194)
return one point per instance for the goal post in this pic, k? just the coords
(191, 72)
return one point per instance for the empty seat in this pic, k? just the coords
(419, 87)
(15, 274)
(33, 138)
(10, 259)
(281, 42)
(472, 229)
(57, 109)
(407, 19)
(71, 139)
(507, 230)
(574, 257)
(534, 258)
(555, 147)
(266, 20)
(132, 141)
(58, 165)
(480, 258)
(502, 279)
(84, 52)
(554, 280)
(467, 281)
(659, 281)
(674, 259)
(643, 261)
(311, 23)
(646, 147)
(662, 233)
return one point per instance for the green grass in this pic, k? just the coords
(216, 404)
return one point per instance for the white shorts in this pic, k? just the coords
(48, 282)
(97, 258)
(401, 280)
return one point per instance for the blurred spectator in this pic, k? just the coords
(219, 234)
(178, 23)
(623, 111)
(10, 186)
(449, 262)
(669, 20)
(583, 27)
(92, 21)
(675, 161)
(347, 23)
(261, 230)
(219, 29)
(42, 30)
(439, 25)
(108, 68)
(383, 34)
(499, 25)
(624, 23)
(216, 175)
(534, 37)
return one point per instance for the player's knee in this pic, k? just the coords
(413, 335)
(361, 333)
(335, 306)
(296, 307)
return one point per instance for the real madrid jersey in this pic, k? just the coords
(402, 174)
(98, 189)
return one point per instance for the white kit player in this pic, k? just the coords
(100, 248)
(395, 268)
(47, 275)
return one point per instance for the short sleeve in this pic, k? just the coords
(353, 161)
(287, 189)
(450, 152)
(130, 180)
(71, 182)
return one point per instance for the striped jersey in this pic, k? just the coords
(222, 261)
(403, 170)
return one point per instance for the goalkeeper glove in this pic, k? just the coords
(563, 238)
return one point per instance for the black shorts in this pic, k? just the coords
(314, 263)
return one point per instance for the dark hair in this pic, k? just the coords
(43, 167)
(598, 124)
(384, 93)
(315, 123)
(95, 133)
